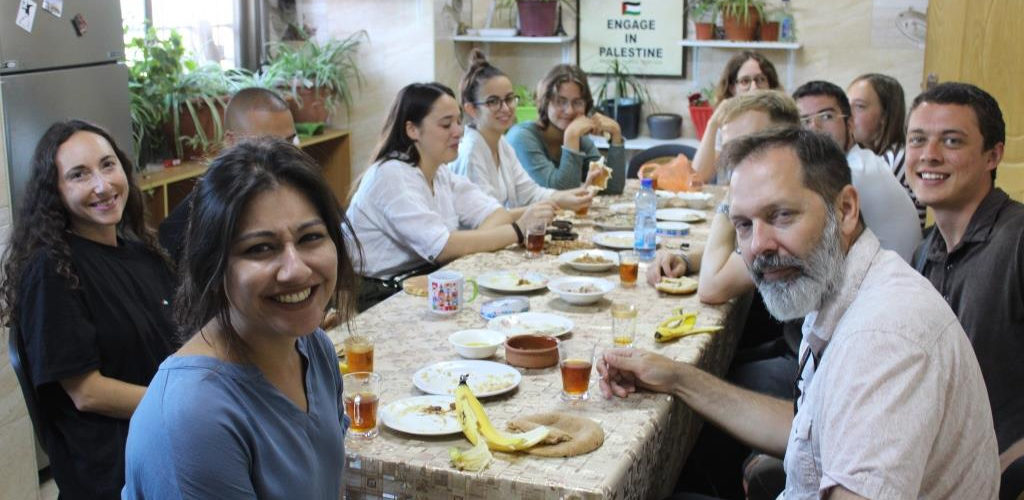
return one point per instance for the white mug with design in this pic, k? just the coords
(446, 292)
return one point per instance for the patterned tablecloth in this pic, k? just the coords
(647, 436)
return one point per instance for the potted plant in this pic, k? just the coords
(621, 96)
(541, 17)
(177, 106)
(701, 109)
(705, 14)
(770, 25)
(741, 17)
(318, 75)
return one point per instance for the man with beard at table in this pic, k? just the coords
(889, 402)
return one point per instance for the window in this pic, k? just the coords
(207, 28)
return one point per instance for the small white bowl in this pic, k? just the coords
(696, 199)
(476, 343)
(569, 289)
(673, 229)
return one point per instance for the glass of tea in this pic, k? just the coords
(359, 353)
(535, 239)
(575, 360)
(623, 323)
(362, 398)
(582, 211)
(629, 268)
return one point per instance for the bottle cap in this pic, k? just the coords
(647, 183)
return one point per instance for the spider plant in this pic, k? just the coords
(330, 65)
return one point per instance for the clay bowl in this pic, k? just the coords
(531, 351)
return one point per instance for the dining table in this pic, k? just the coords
(647, 436)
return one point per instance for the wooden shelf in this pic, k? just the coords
(164, 189)
(729, 44)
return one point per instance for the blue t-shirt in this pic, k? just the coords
(211, 429)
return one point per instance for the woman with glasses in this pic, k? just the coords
(410, 213)
(486, 157)
(555, 150)
(878, 111)
(745, 72)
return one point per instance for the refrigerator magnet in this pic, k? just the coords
(55, 7)
(26, 15)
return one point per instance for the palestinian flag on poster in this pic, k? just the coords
(631, 8)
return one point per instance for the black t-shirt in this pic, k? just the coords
(119, 322)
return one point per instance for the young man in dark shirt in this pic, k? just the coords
(974, 254)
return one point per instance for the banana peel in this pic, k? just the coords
(477, 426)
(681, 324)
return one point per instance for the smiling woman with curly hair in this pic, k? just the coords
(88, 291)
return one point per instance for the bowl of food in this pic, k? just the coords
(580, 290)
(531, 351)
(593, 260)
(695, 199)
(476, 343)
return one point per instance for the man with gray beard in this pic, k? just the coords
(889, 402)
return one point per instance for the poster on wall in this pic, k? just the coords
(642, 34)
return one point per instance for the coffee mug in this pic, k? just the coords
(446, 292)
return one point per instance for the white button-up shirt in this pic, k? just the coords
(400, 224)
(895, 405)
(506, 181)
(887, 208)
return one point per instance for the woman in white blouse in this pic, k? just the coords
(409, 212)
(486, 157)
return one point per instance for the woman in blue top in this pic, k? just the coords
(251, 405)
(555, 149)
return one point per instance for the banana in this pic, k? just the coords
(477, 427)
(681, 325)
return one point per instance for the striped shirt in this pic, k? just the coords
(895, 158)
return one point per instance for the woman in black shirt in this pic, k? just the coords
(89, 292)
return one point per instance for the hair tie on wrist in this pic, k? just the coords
(519, 232)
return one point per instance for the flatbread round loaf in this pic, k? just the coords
(677, 286)
(416, 286)
(571, 434)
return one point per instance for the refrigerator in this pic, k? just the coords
(66, 61)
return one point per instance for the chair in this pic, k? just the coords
(16, 351)
(663, 151)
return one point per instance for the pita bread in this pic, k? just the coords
(571, 435)
(416, 286)
(601, 182)
(677, 286)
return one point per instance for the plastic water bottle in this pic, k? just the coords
(646, 228)
(787, 31)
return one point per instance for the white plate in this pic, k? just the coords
(624, 207)
(680, 215)
(569, 259)
(508, 281)
(531, 322)
(622, 240)
(486, 378)
(408, 415)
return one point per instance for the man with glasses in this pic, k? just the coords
(891, 400)
(886, 206)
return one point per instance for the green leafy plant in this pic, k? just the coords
(740, 9)
(330, 65)
(704, 10)
(163, 85)
(525, 96)
(619, 82)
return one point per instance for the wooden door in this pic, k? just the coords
(978, 42)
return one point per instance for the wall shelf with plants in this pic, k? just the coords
(697, 45)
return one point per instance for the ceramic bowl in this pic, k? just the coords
(531, 351)
(581, 290)
(477, 343)
(696, 199)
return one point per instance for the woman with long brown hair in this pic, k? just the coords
(88, 290)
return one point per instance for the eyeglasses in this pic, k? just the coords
(820, 118)
(561, 102)
(494, 102)
(759, 80)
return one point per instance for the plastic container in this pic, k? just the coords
(665, 125)
(645, 230)
(504, 305)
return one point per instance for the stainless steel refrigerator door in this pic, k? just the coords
(54, 43)
(33, 101)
